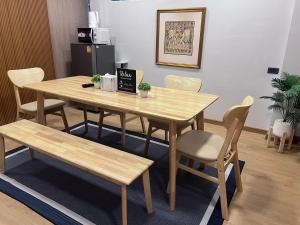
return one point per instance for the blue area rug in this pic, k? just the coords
(99, 201)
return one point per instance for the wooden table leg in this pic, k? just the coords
(172, 167)
(40, 108)
(123, 128)
(147, 191)
(124, 205)
(200, 121)
(2, 155)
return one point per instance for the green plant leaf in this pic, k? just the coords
(291, 80)
(293, 92)
(96, 78)
(287, 98)
(276, 97)
(275, 107)
(293, 118)
(144, 87)
(279, 84)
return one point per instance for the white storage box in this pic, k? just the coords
(109, 82)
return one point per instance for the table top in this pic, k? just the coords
(168, 104)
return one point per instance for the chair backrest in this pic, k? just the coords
(139, 76)
(25, 76)
(234, 120)
(183, 83)
(22, 77)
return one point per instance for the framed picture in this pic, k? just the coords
(179, 37)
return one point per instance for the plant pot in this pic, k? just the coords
(144, 94)
(97, 85)
(280, 127)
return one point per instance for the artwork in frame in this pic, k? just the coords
(179, 37)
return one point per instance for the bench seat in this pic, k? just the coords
(117, 166)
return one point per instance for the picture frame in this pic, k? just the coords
(179, 37)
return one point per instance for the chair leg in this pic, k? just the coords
(223, 194)
(147, 143)
(18, 115)
(193, 126)
(282, 142)
(45, 124)
(64, 118)
(100, 124)
(123, 127)
(143, 124)
(178, 157)
(237, 172)
(166, 135)
(2, 154)
(147, 191)
(190, 163)
(179, 131)
(85, 119)
(31, 153)
(124, 205)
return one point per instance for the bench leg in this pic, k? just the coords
(147, 191)
(124, 205)
(2, 155)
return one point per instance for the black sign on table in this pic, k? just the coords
(126, 80)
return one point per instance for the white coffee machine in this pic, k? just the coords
(94, 20)
(100, 35)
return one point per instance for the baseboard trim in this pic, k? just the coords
(250, 129)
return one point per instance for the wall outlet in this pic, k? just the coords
(272, 70)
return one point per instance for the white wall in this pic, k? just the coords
(242, 39)
(292, 56)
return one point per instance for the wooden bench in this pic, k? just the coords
(119, 167)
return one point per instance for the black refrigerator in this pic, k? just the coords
(89, 59)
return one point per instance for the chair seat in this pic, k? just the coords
(162, 124)
(49, 104)
(200, 144)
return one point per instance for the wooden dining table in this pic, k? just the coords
(171, 105)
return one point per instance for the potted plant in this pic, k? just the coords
(144, 88)
(96, 80)
(286, 101)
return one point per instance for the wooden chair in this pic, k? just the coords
(20, 78)
(104, 113)
(213, 150)
(173, 82)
